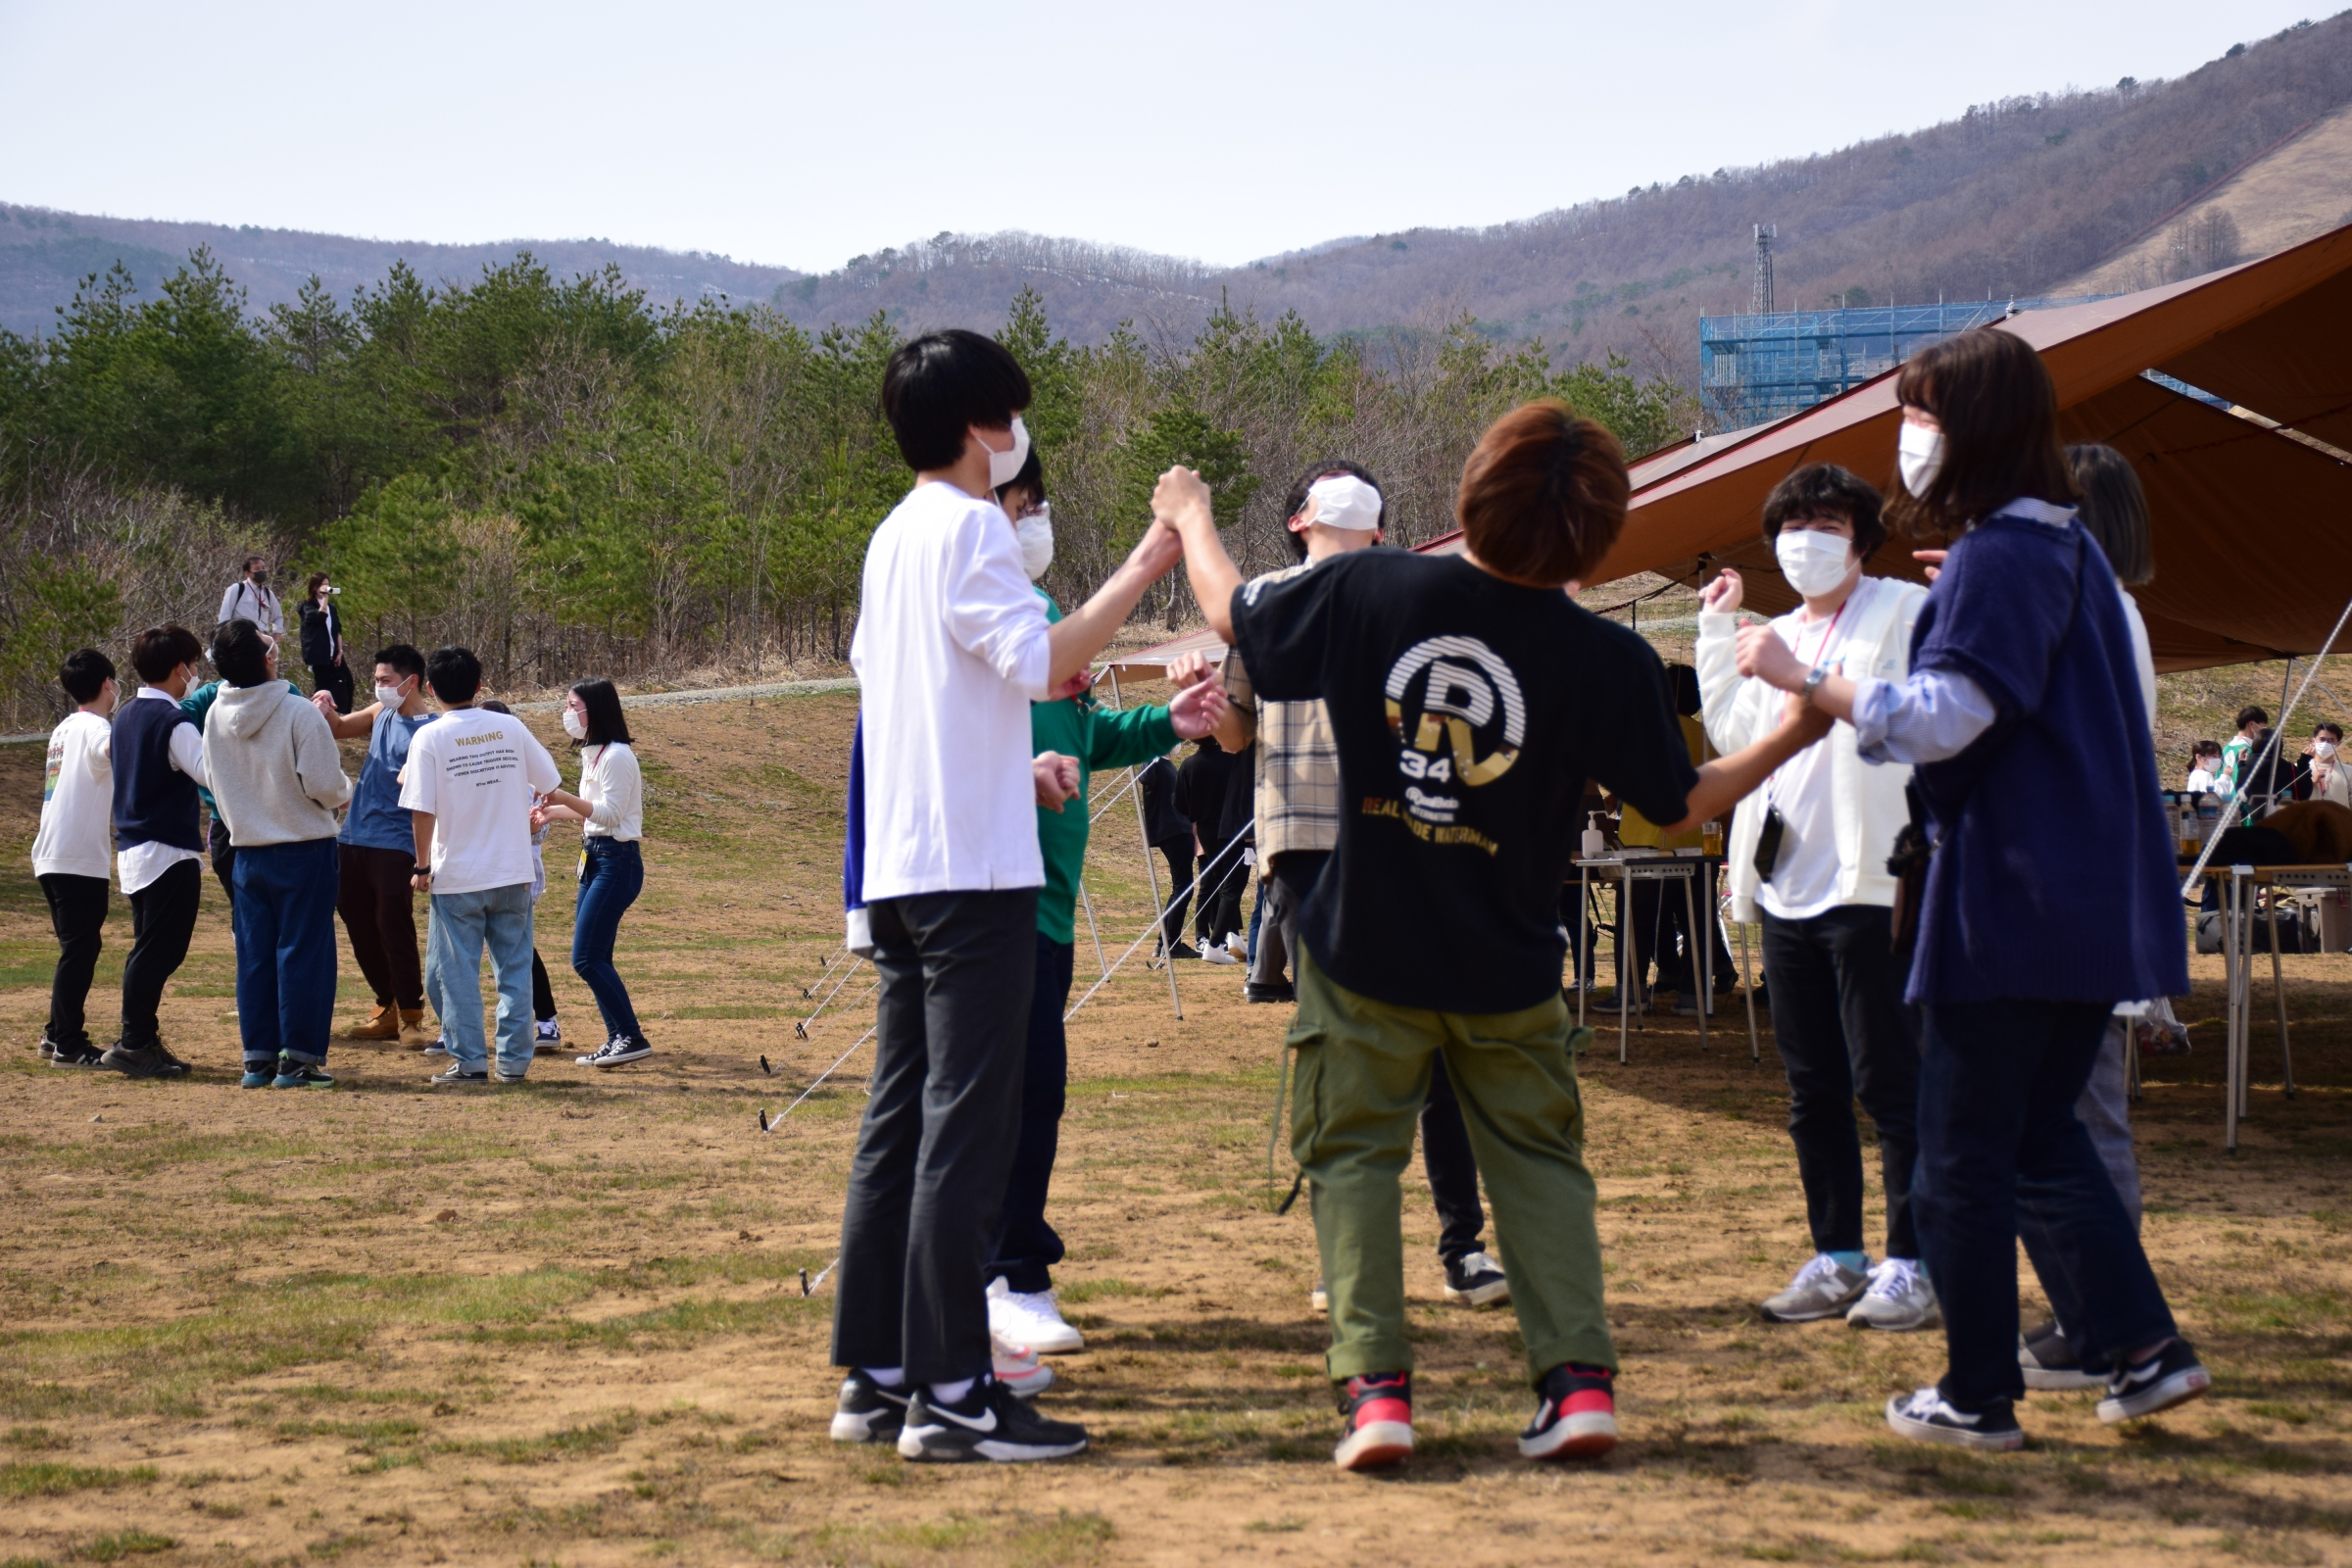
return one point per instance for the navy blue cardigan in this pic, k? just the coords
(2050, 881)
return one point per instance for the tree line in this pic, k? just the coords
(574, 481)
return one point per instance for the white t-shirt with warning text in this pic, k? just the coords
(478, 774)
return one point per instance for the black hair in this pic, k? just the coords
(160, 649)
(1031, 478)
(249, 561)
(241, 654)
(401, 657)
(1824, 489)
(453, 673)
(85, 675)
(2203, 748)
(2331, 727)
(606, 725)
(494, 706)
(1682, 688)
(940, 385)
(1296, 501)
(2251, 714)
(2114, 510)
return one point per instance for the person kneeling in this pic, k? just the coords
(1470, 700)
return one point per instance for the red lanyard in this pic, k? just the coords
(1820, 652)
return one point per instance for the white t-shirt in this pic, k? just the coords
(951, 649)
(2200, 781)
(611, 782)
(78, 801)
(478, 774)
(1804, 883)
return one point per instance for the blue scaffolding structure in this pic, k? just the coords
(1756, 369)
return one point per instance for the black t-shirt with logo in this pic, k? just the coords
(1469, 713)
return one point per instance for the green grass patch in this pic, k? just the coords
(51, 1480)
(119, 1544)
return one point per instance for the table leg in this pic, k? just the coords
(1625, 972)
(1705, 942)
(1748, 987)
(2233, 972)
(1582, 957)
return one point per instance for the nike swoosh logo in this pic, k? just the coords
(986, 1423)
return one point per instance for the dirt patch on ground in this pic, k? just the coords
(565, 1323)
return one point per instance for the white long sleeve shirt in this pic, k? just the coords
(612, 783)
(951, 649)
(242, 600)
(76, 835)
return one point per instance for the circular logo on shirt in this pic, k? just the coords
(1458, 716)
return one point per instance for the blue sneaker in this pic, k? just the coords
(261, 1077)
(292, 1074)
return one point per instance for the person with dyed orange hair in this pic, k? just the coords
(1470, 699)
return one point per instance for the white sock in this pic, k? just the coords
(889, 1377)
(952, 1393)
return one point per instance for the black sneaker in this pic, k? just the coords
(2172, 1376)
(149, 1060)
(988, 1423)
(1473, 1280)
(1578, 1416)
(1927, 1418)
(1253, 991)
(2050, 1363)
(868, 1412)
(83, 1057)
(1378, 1412)
(458, 1076)
(1182, 950)
(292, 1074)
(617, 1051)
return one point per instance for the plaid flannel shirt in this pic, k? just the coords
(1297, 794)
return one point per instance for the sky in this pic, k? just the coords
(801, 135)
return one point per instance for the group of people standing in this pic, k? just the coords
(1425, 731)
(453, 799)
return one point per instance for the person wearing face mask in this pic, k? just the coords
(1807, 858)
(159, 765)
(198, 705)
(376, 848)
(2321, 774)
(2023, 691)
(322, 641)
(249, 598)
(72, 856)
(2204, 767)
(1026, 1247)
(611, 812)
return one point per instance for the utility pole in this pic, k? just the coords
(1761, 301)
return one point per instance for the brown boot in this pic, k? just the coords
(383, 1024)
(412, 1032)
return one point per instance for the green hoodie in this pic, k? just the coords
(1077, 727)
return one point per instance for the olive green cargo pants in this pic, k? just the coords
(1363, 1075)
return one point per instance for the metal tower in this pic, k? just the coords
(1760, 302)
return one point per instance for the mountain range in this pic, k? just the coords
(2041, 193)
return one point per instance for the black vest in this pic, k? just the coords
(155, 802)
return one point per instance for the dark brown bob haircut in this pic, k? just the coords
(1998, 407)
(1824, 490)
(2115, 511)
(1544, 495)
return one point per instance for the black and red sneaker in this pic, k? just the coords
(1578, 1418)
(1379, 1412)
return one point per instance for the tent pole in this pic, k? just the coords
(1142, 833)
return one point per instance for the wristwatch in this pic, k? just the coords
(1813, 680)
(420, 870)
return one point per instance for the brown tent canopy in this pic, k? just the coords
(2253, 528)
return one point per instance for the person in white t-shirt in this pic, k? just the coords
(951, 648)
(471, 780)
(73, 853)
(1808, 858)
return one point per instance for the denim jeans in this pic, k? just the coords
(2003, 1156)
(284, 918)
(611, 874)
(462, 925)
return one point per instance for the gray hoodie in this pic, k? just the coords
(277, 772)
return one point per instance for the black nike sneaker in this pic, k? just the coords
(988, 1423)
(868, 1412)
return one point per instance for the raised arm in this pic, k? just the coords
(1077, 638)
(1180, 502)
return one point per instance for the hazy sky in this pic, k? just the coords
(801, 135)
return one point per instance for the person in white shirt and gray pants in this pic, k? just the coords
(249, 598)
(951, 648)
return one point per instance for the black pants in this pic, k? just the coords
(542, 994)
(1223, 880)
(1283, 884)
(335, 681)
(77, 913)
(1179, 856)
(1844, 1032)
(928, 1180)
(379, 912)
(224, 858)
(163, 917)
(1453, 1168)
(1026, 1247)
(2003, 1157)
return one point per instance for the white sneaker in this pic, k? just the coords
(1899, 1298)
(1213, 953)
(1029, 1319)
(1823, 1288)
(1017, 1367)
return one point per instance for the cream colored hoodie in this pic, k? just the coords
(277, 772)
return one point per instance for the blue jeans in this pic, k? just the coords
(611, 874)
(284, 914)
(462, 925)
(2003, 1156)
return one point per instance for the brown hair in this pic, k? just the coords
(1998, 409)
(1544, 495)
(2115, 511)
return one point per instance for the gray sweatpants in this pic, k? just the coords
(2105, 1109)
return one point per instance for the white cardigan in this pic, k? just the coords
(1867, 801)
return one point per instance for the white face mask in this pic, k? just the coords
(575, 724)
(2325, 751)
(1006, 466)
(389, 696)
(1036, 532)
(1813, 562)
(1919, 454)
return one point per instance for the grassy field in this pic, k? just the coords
(565, 1323)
